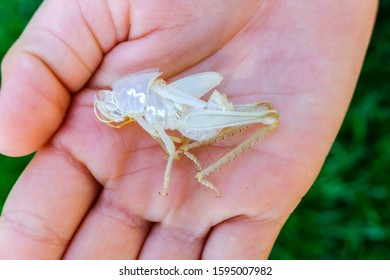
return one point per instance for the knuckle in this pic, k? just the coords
(108, 208)
(181, 235)
(32, 227)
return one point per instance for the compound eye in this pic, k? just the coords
(111, 107)
(116, 114)
(100, 96)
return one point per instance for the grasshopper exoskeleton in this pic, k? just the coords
(158, 106)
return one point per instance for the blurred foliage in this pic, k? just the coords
(346, 213)
(14, 15)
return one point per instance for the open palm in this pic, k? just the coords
(92, 191)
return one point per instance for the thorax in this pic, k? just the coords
(162, 111)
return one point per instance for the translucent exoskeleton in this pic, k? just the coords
(159, 107)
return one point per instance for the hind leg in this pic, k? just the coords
(230, 155)
(260, 115)
(190, 145)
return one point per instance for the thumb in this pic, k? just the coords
(54, 57)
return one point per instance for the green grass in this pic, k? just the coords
(345, 215)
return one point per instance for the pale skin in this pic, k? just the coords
(92, 191)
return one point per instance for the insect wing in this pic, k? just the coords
(177, 96)
(211, 119)
(199, 84)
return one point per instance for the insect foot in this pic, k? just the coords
(199, 176)
(166, 185)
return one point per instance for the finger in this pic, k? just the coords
(56, 54)
(174, 37)
(242, 239)
(108, 233)
(45, 207)
(173, 242)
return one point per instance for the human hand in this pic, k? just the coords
(91, 191)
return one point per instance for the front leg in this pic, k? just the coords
(169, 147)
